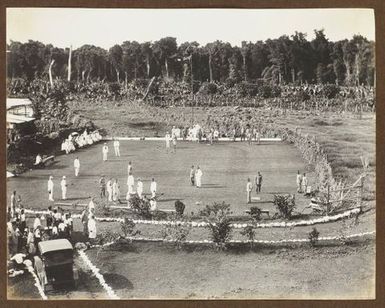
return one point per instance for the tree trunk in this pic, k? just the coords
(210, 68)
(50, 73)
(117, 76)
(69, 64)
(166, 65)
(148, 67)
(244, 67)
(126, 80)
(83, 74)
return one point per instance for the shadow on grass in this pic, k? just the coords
(212, 186)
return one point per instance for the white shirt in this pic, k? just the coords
(105, 149)
(63, 184)
(19, 258)
(140, 186)
(38, 160)
(109, 185)
(50, 185)
(92, 228)
(168, 138)
(198, 173)
(153, 186)
(249, 186)
(77, 163)
(91, 205)
(130, 180)
(116, 143)
(129, 168)
(36, 223)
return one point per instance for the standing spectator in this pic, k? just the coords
(77, 166)
(115, 191)
(69, 223)
(192, 175)
(249, 188)
(50, 188)
(13, 203)
(198, 177)
(174, 140)
(91, 204)
(139, 188)
(63, 184)
(49, 217)
(84, 220)
(168, 139)
(130, 185)
(36, 222)
(153, 188)
(92, 229)
(31, 248)
(258, 182)
(109, 189)
(62, 229)
(117, 147)
(23, 223)
(129, 168)
(299, 182)
(105, 152)
(37, 235)
(102, 185)
(304, 183)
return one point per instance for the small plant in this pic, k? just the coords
(285, 205)
(179, 207)
(141, 206)
(128, 228)
(313, 236)
(176, 232)
(218, 223)
(255, 213)
(250, 234)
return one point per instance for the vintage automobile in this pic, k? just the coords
(54, 264)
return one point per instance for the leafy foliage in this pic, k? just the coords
(141, 206)
(176, 232)
(179, 207)
(255, 213)
(249, 232)
(128, 228)
(313, 236)
(217, 216)
(285, 205)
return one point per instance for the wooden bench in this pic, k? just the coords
(263, 211)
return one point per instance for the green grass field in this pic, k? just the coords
(226, 167)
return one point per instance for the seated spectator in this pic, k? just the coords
(38, 161)
(18, 266)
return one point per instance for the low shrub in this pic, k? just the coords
(285, 205)
(249, 233)
(313, 236)
(176, 232)
(142, 207)
(179, 207)
(217, 216)
(255, 213)
(128, 228)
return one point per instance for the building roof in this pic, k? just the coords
(54, 245)
(17, 119)
(14, 102)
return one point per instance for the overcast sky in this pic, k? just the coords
(106, 27)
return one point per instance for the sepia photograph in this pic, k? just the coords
(190, 153)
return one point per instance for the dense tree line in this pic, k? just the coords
(288, 59)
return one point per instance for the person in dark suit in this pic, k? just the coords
(258, 182)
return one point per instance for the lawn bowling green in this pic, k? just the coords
(225, 165)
